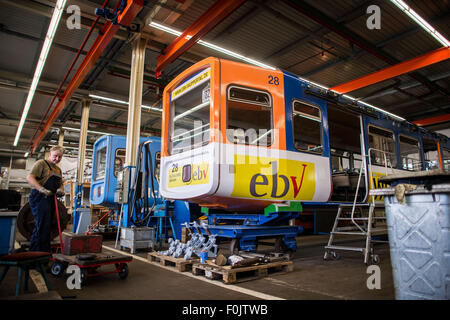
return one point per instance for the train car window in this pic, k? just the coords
(382, 149)
(119, 160)
(307, 125)
(157, 165)
(100, 164)
(190, 115)
(249, 116)
(409, 153)
(430, 150)
(446, 159)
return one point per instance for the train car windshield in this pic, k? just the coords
(100, 164)
(190, 113)
(119, 160)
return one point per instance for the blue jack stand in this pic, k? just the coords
(162, 214)
(245, 230)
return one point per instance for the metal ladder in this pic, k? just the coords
(356, 228)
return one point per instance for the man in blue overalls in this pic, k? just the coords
(45, 179)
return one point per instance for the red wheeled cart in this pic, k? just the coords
(89, 263)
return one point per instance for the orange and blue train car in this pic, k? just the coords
(239, 138)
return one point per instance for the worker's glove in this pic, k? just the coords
(60, 193)
(45, 191)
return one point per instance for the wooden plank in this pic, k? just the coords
(229, 275)
(168, 261)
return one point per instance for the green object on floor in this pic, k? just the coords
(293, 206)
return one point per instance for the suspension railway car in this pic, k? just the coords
(238, 138)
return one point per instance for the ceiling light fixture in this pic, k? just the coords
(76, 148)
(57, 12)
(212, 46)
(121, 102)
(421, 22)
(89, 131)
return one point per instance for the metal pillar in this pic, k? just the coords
(61, 137)
(46, 152)
(134, 115)
(86, 105)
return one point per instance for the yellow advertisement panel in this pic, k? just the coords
(189, 175)
(376, 184)
(191, 83)
(273, 178)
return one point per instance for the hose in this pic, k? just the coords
(140, 211)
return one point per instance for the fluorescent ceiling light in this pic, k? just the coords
(13, 151)
(76, 148)
(213, 46)
(373, 107)
(354, 99)
(236, 55)
(57, 12)
(421, 22)
(381, 110)
(121, 102)
(89, 131)
(108, 99)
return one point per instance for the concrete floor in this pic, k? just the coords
(312, 279)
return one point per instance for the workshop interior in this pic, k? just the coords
(224, 150)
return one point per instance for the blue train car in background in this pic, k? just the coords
(146, 206)
(108, 161)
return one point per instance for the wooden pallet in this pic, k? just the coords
(179, 263)
(235, 275)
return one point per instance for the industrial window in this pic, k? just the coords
(190, 122)
(119, 160)
(157, 165)
(100, 164)
(307, 126)
(382, 147)
(409, 153)
(249, 116)
(446, 159)
(430, 150)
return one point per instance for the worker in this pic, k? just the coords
(45, 179)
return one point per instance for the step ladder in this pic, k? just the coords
(362, 225)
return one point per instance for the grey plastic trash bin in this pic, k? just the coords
(418, 219)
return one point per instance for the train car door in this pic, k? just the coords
(346, 149)
(307, 140)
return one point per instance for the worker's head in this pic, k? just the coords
(56, 154)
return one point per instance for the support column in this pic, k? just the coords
(135, 102)
(86, 105)
(134, 116)
(61, 137)
(46, 152)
